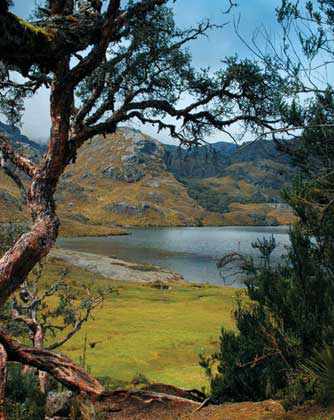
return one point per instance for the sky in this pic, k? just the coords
(253, 14)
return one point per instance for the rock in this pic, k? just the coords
(128, 173)
(157, 198)
(148, 147)
(58, 404)
(141, 156)
(79, 218)
(153, 183)
(128, 209)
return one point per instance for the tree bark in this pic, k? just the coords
(16, 264)
(59, 366)
(39, 344)
(3, 378)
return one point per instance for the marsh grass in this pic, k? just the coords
(144, 331)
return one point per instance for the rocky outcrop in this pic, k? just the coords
(200, 162)
(129, 209)
(142, 154)
(129, 173)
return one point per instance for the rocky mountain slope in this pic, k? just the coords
(123, 180)
(131, 179)
(241, 183)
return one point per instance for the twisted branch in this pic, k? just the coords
(59, 366)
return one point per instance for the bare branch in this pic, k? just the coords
(79, 323)
(21, 162)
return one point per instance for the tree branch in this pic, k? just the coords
(21, 162)
(23, 44)
(60, 367)
(79, 323)
(111, 30)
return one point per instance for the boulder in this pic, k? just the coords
(58, 404)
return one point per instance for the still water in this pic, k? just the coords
(192, 252)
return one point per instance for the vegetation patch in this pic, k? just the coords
(149, 331)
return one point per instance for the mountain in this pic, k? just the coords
(242, 183)
(11, 207)
(131, 179)
(202, 161)
(22, 142)
(123, 180)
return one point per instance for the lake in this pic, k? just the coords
(190, 251)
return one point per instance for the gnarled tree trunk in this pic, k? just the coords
(16, 264)
(3, 378)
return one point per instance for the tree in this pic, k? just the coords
(50, 327)
(288, 314)
(105, 66)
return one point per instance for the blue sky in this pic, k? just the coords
(206, 52)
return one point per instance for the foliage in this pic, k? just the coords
(321, 368)
(291, 309)
(290, 312)
(287, 316)
(24, 400)
(59, 310)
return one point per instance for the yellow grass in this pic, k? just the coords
(156, 333)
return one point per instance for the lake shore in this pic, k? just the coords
(116, 269)
(193, 252)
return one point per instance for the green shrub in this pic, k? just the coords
(24, 400)
(289, 313)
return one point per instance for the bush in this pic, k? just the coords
(289, 313)
(24, 400)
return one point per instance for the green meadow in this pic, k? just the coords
(141, 330)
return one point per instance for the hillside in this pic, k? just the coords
(131, 179)
(242, 183)
(123, 180)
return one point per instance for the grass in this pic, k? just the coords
(146, 331)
